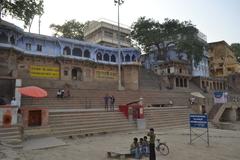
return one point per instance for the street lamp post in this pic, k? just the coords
(118, 3)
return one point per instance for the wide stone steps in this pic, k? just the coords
(10, 134)
(97, 130)
(69, 123)
(94, 98)
(176, 125)
(152, 116)
(82, 113)
(89, 126)
(166, 117)
(82, 119)
(33, 132)
(86, 122)
(169, 124)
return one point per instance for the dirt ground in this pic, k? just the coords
(224, 145)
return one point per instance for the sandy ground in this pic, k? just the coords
(224, 145)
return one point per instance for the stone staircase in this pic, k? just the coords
(168, 117)
(12, 134)
(90, 99)
(75, 123)
(148, 80)
(46, 83)
(35, 132)
(214, 110)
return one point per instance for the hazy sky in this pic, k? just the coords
(218, 19)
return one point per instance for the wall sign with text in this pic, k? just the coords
(44, 71)
(101, 74)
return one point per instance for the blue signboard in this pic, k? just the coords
(198, 121)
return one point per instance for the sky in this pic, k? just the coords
(217, 19)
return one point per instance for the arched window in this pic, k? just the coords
(185, 82)
(177, 82)
(133, 58)
(99, 56)
(77, 52)
(12, 40)
(87, 53)
(113, 58)
(3, 38)
(106, 57)
(122, 57)
(181, 82)
(127, 58)
(66, 51)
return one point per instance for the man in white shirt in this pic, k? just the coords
(13, 102)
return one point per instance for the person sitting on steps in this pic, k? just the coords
(134, 149)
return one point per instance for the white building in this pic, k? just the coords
(105, 33)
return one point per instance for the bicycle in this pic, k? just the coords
(162, 147)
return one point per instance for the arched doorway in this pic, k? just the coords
(77, 74)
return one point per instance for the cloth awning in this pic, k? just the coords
(197, 94)
(33, 91)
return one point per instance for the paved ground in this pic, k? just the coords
(224, 145)
(42, 143)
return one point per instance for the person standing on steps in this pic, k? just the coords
(106, 101)
(112, 102)
(152, 136)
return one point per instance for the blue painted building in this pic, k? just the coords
(151, 61)
(35, 44)
(32, 56)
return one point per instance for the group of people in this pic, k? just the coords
(61, 93)
(5, 101)
(109, 102)
(144, 147)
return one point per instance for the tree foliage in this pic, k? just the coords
(24, 10)
(236, 49)
(149, 33)
(70, 29)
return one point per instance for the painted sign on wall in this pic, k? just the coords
(220, 97)
(101, 74)
(44, 71)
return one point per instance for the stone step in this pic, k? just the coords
(157, 125)
(31, 132)
(75, 132)
(166, 119)
(169, 127)
(10, 134)
(81, 122)
(86, 117)
(90, 125)
(90, 113)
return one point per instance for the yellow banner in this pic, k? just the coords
(105, 74)
(44, 72)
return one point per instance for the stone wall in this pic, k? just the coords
(58, 72)
(130, 76)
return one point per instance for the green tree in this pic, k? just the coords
(236, 49)
(24, 10)
(70, 29)
(149, 33)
